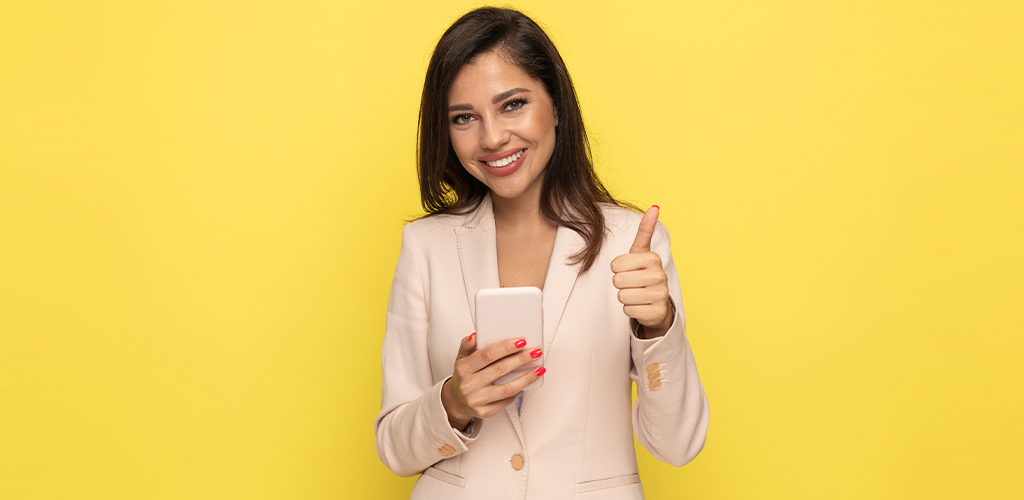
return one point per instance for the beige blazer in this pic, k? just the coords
(573, 437)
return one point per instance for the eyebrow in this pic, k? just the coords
(506, 94)
(494, 100)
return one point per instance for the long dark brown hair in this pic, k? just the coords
(571, 192)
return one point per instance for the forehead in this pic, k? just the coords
(487, 75)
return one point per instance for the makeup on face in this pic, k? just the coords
(504, 163)
(501, 125)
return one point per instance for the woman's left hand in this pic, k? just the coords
(642, 282)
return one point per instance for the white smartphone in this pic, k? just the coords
(511, 313)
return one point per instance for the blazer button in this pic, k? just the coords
(655, 385)
(517, 461)
(651, 368)
(446, 450)
(654, 376)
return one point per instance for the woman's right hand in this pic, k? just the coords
(469, 393)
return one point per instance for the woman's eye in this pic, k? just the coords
(461, 119)
(516, 104)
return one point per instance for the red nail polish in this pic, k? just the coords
(540, 371)
(471, 336)
(656, 206)
(535, 353)
(520, 343)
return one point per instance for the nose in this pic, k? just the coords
(493, 134)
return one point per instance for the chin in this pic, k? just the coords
(506, 191)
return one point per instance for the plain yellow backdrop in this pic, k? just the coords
(201, 205)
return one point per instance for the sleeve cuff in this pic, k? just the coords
(658, 351)
(472, 430)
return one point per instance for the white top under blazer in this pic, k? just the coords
(573, 437)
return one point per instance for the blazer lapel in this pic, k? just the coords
(560, 280)
(558, 284)
(478, 252)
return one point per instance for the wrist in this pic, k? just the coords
(456, 419)
(652, 332)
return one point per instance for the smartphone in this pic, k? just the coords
(511, 313)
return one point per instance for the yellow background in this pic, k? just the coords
(201, 205)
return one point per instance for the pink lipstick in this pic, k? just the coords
(507, 169)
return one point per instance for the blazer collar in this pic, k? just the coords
(478, 253)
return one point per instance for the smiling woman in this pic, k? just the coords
(512, 200)
(506, 41)
(503, 123)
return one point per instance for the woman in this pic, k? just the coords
(512, 200)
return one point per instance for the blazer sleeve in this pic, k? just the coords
(670, 415)
(412, 428)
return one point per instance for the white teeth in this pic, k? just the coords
(505, 161)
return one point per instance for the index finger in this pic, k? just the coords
(642, 242)
(484, 357)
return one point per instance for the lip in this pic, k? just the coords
(498, 156)
(507, 169)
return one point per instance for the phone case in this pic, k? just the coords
(510, 313)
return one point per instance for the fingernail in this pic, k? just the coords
(520, 343)
(656, 206)
(471, 336)
(540, 371)
(535, 353)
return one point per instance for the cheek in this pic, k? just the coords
(465, 150)
(461, 146)
(540, 128)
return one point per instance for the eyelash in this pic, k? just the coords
(519, 102)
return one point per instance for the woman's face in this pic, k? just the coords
(502, 125)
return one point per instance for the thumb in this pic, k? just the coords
(642, 243)
(467, 346)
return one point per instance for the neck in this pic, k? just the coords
(521, 212)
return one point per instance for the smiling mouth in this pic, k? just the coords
(507, 160)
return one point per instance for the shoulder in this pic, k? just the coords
(431, 223)
(432, 229)
(618, 219)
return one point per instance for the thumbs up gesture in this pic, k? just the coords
(642, 282)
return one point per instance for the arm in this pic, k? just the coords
(412, 428)
(670, 416)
